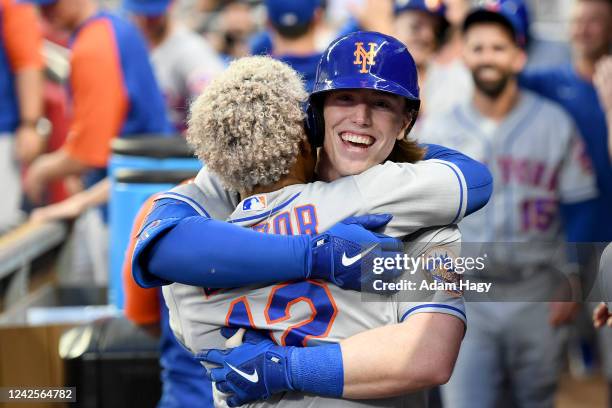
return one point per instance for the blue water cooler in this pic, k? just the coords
(139, 168)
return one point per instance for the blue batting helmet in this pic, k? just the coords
(362, 60)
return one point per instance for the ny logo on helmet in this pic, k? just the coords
(363, 57)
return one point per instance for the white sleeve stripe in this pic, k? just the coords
(433, 307)
(462, 189)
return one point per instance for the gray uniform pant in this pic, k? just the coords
(10, 181)
(509, 342)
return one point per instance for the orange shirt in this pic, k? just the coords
(21, 35)
(99, 98)
(142, 306)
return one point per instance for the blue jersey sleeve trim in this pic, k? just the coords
(434, 306)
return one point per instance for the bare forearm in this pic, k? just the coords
(58, 165)
(96, 195)
(29, 87)
(402, 358)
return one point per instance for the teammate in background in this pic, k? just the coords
(114, 94)
(541, 52)
(603, 83)
(292, 34)
(21, 84)
(589, 103)
(183, 61)
(539, 164)
(423, 27)
(448, 81)
(280, 182)
(602, 315)
(583, 88)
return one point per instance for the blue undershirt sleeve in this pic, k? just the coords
(177, 244)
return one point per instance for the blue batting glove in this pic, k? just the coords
(252, 371)
(345, 253)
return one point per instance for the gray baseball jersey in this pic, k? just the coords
(311, 312)
(537, 160)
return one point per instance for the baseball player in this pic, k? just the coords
(177, 217)
(183, 61)
(574, 87)
(308, 313)
(21, 96)
(341, 71)
(602, 315)
(422, 26)
(540, 168)
(291, 35)
(113, 89)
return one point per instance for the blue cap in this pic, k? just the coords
(435, 7)
(146, 7)
(512, 13)
(291, 13)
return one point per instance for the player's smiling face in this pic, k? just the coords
(492, 56)
(361, 127)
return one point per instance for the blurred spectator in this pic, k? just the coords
(572, 86)
(232, 28)
(22, 128)
(541, 52)
(448, 81)
(292, 34)
(113, 90)
(603, 83)
(537, 159)
(183, 61)
(603, 313)
(583, 88)
(368, 15)
(423, 27)
(114, 94)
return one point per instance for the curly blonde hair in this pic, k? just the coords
(248, 123)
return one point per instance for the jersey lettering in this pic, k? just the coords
(322, 307)
(281, 300)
